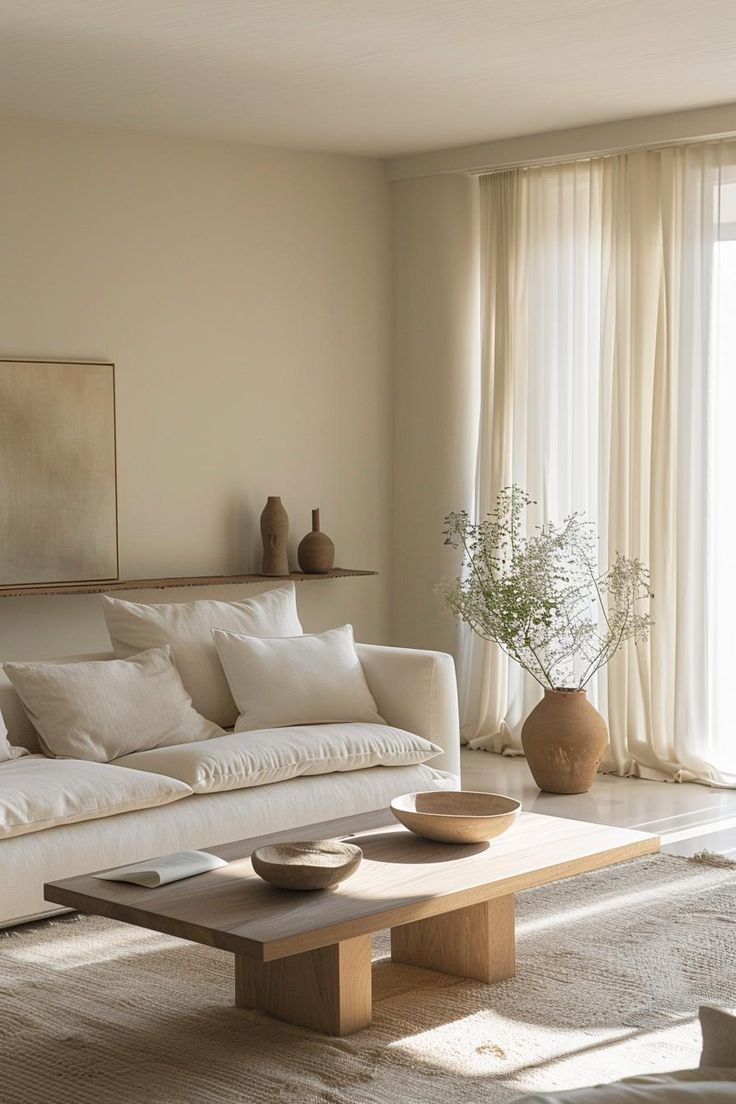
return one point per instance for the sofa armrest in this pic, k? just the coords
(417, 691)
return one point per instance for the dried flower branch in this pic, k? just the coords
(541, 598)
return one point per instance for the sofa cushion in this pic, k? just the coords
(690, 1086)
(21, 732)
(301, 680)
(187, 628)
(239, 759)
(650, 1091)
(38, 793)
(102, 709)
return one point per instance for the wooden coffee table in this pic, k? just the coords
(306, 957)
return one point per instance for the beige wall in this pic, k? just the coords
(436, 393)
(243, 295)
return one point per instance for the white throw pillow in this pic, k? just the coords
(300, 680)
(7, 750)
(102, 709)
(187, 628)
(242, 759)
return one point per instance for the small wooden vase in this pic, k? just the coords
(275, 535)
(316, 551)
(564, 738)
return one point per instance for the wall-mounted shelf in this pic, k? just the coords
(44, 589)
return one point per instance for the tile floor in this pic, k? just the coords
(688, 817)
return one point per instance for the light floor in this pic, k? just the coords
(688, 817)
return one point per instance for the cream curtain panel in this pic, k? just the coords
(600, 377)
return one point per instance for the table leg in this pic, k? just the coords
(473, 942)
(327, 990)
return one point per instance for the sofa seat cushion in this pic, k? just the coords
(38, 793)
(703, 1086)
(242, 759)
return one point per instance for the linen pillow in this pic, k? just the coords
(102, 709)
(187, 628)
(299, 680)
(243, 759)
(7, 750)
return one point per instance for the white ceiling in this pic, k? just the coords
(377, 77)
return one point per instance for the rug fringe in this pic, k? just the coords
(712, 858)
(44, 922)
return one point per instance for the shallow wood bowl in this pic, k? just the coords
(456, 816)
(317, 864)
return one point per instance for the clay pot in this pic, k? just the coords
(316, 551)
(275, 535)
(456, 816)
(564, 738)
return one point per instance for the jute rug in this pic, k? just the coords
(611, 969)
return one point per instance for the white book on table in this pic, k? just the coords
(166, 868)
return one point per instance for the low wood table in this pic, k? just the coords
(306, 957)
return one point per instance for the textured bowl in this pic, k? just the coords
(317, 864)
(456, 816)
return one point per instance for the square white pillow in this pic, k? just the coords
(187, 628)
(7, 750)
(102, 709)
(300, 680)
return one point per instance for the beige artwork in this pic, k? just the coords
(58, 511)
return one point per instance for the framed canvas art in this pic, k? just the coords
(58, 488)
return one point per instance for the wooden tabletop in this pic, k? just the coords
(401, 879)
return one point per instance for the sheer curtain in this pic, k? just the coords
(603, 369)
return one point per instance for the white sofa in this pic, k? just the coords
(713, 1082)
(414, 690)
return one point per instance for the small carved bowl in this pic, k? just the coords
(318, 864)
(456, 816)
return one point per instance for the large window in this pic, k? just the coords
(609, 376)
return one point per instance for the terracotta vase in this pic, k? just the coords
(275, 535)
(316, 551)
(564, 738)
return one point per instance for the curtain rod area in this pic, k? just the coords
(711, 124)
(595, 155)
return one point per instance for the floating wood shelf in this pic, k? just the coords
(164, 584)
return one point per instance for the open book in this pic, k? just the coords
(167, 868)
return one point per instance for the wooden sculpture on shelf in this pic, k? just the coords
(275, 535)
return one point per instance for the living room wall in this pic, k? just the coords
(437, 398)
(243, 295)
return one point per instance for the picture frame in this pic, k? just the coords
(58, 472)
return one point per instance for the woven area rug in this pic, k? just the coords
(611, 969)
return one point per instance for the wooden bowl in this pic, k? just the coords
(456, 816)
(318, 864)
